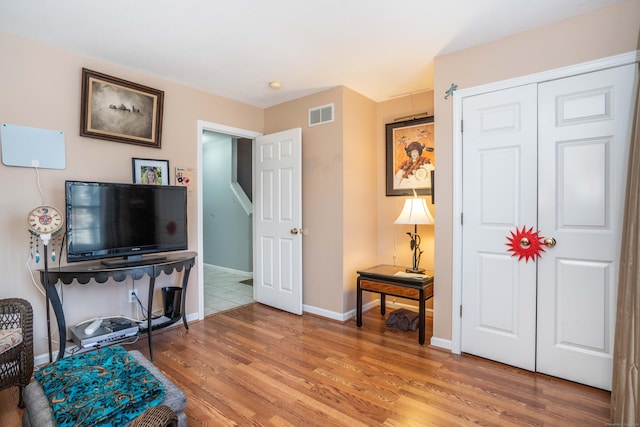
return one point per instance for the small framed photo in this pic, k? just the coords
(151, 172)
(119, 110)
(410, 158)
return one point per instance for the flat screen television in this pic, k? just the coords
(110, 220)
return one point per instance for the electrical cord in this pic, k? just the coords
(33, 280)
(131, 319)
(42, 197)
(144, 310)
(88, 321)
(57, 287)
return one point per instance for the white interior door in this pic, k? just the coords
(578, 160)
(584, 144)
(499, 169)
(278, 220)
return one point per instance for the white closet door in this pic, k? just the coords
(584, 134)
(552, 156)
(499, 181)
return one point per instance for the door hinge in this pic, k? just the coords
(461, 218)
(460, 310)
(461, 126)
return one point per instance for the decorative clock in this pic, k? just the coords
(44, 220)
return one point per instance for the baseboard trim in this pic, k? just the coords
(351, 314)
(230, 270)
(440, 343)
(341, 317)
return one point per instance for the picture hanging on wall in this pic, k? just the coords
(149, 171)
(410, 158)
(119, 110)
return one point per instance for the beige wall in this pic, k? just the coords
(321, 194)
(360, 154)
(40, 87)
(393, 243)
(605, 32)
(345, 207)
(338, 186)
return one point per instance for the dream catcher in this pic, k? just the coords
(45, 224)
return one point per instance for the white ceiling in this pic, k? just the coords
(233, 48)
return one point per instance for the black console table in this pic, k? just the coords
(84, 272)
(393, 280)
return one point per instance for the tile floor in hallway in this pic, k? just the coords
(223, 290)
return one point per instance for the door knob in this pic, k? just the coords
(524, 242)
(294, 231)
(549, 242)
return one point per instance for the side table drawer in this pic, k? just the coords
(397, 290)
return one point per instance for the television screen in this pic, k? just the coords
(106, 220)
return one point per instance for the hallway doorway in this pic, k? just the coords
(227, 230)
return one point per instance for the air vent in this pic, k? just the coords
(320, 115)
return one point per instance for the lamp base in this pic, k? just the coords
(416, 270)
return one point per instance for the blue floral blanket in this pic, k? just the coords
(104, 387)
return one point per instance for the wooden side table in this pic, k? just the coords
(393, 280)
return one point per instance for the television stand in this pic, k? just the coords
(84, 272)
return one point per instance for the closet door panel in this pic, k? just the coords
(584, 134)
(499, 180)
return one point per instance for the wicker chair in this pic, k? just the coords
(157, 416)
(16, 364)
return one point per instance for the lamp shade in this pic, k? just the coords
(415, 211)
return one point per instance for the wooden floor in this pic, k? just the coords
(256, 366)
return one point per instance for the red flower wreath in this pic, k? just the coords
(532, 250)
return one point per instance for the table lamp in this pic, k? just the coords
(415, 212)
